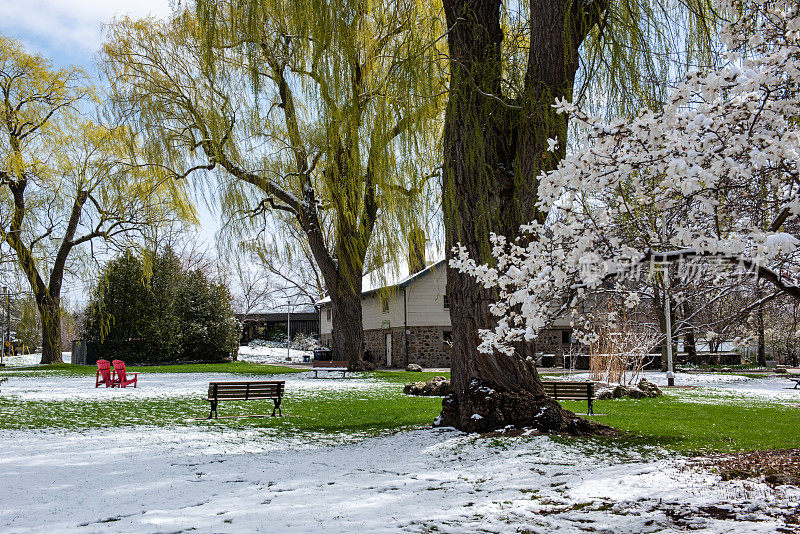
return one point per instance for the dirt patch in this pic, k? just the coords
(778, 467)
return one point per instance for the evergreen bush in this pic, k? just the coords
(168, 315)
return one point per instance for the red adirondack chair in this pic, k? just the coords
(122, 377)
(103, 375)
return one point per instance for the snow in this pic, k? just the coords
(225, 480)
(210, 477)
(270, 354)
(31, 359)
(168, 385)
(246, 353)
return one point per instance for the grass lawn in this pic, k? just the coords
(373, 411)
(694, 427)
(671, 422)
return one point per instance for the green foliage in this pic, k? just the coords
(167, 315)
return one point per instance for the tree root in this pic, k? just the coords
(482, 408)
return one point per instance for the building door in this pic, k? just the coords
(388, 349)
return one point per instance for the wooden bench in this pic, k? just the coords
(329, 366)
(565, 390)
(264, 390)
(795, 372)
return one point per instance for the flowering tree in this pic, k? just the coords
(716, 164)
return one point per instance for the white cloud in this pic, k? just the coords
(72, 28)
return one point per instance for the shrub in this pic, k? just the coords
(166, 316)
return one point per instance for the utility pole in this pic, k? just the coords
(3, 352)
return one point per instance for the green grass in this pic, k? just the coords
(403, 377)
(372, 412)
(673, 422)
(693, 427)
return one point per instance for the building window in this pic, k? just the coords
(566, 337)
(446, 302)
(385, 304)
(447, 336)
(329, 314)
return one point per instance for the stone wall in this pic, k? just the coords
(427, 347)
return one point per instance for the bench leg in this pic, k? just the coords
(213, 412)
(591, 410)
(277, 406)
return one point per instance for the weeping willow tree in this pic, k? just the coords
(509, 62)
(305, 110)
(65, 183)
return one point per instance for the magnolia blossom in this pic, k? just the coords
(712, 174)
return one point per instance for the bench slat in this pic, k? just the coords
(245, 390)
(241, 383)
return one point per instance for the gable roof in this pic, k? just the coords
(399, 284)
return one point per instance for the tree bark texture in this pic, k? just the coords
(494, 148)
(50, 311)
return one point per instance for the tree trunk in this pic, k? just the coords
(493, 152)
(691, 346)
(689, 338)
(659, 304)
(348, 330)
(50, 311)
(762, 353)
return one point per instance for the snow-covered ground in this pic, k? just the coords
(224, 480)
(31, 359)
(166, 385)
(271, 354)
(218, 478)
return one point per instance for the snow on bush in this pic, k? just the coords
(712, 174)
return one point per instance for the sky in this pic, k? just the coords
(71, 33)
